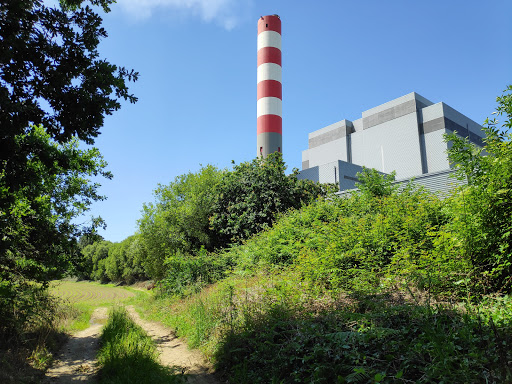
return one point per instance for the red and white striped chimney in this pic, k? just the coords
(269, 105)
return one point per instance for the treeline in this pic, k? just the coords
(199, 213)
(204, 223)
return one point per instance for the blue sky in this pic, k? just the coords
(197, 86)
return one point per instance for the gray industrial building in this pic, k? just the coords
(404, 135)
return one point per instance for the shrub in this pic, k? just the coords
(249, 198)
(482, 210)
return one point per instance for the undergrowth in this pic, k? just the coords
(364, 289)
(129, 355)
(273, 329)
(31, 335)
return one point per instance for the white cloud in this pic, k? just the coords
(226, 13)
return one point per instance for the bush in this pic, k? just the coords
(371, 341)
(482, 210)
(189, 273)
(361, 241)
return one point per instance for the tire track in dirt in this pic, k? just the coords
(174, 351)
(77, 359)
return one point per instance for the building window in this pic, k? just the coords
(279, 149)
(261, 151)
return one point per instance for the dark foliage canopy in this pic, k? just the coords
(55, 91)
(251, 196)
(51, 73)
(51, 77)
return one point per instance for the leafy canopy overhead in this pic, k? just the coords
(55, 91)
(51, 72)
(75, 4)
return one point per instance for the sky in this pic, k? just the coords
(197, 85)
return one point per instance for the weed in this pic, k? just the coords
(271, 328)
(129, 355)
(41, 357)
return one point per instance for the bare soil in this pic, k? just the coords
(174, 351)
(77, 360)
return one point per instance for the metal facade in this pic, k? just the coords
(404, 135)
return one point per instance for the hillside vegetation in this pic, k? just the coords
(363, 289)
(381, 285)
(198, 213)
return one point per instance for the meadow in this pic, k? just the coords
(78, 299)
(89, 292)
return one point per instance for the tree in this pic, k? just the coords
(55, 91)
(178, 220)
(375, 184)
(95, 256)
(124, 261)
(88, 239)
(482, 210)
(249, 198)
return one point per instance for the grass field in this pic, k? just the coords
(80, 298)
(89, 292)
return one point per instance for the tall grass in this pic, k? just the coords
(30, 334)
(359, 290)
(129, 355)
(273, 329)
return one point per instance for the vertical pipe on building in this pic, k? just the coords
(269, 99)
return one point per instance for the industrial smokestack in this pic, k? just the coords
(270, 122)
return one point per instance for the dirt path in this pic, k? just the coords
(77, 359)
(174, 351)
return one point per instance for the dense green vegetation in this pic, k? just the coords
(248, 199)
(272, 277)
(55, 90)
(271, 328)
(129, 355)
(383, 285)
(196, 214)
(482, 212)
